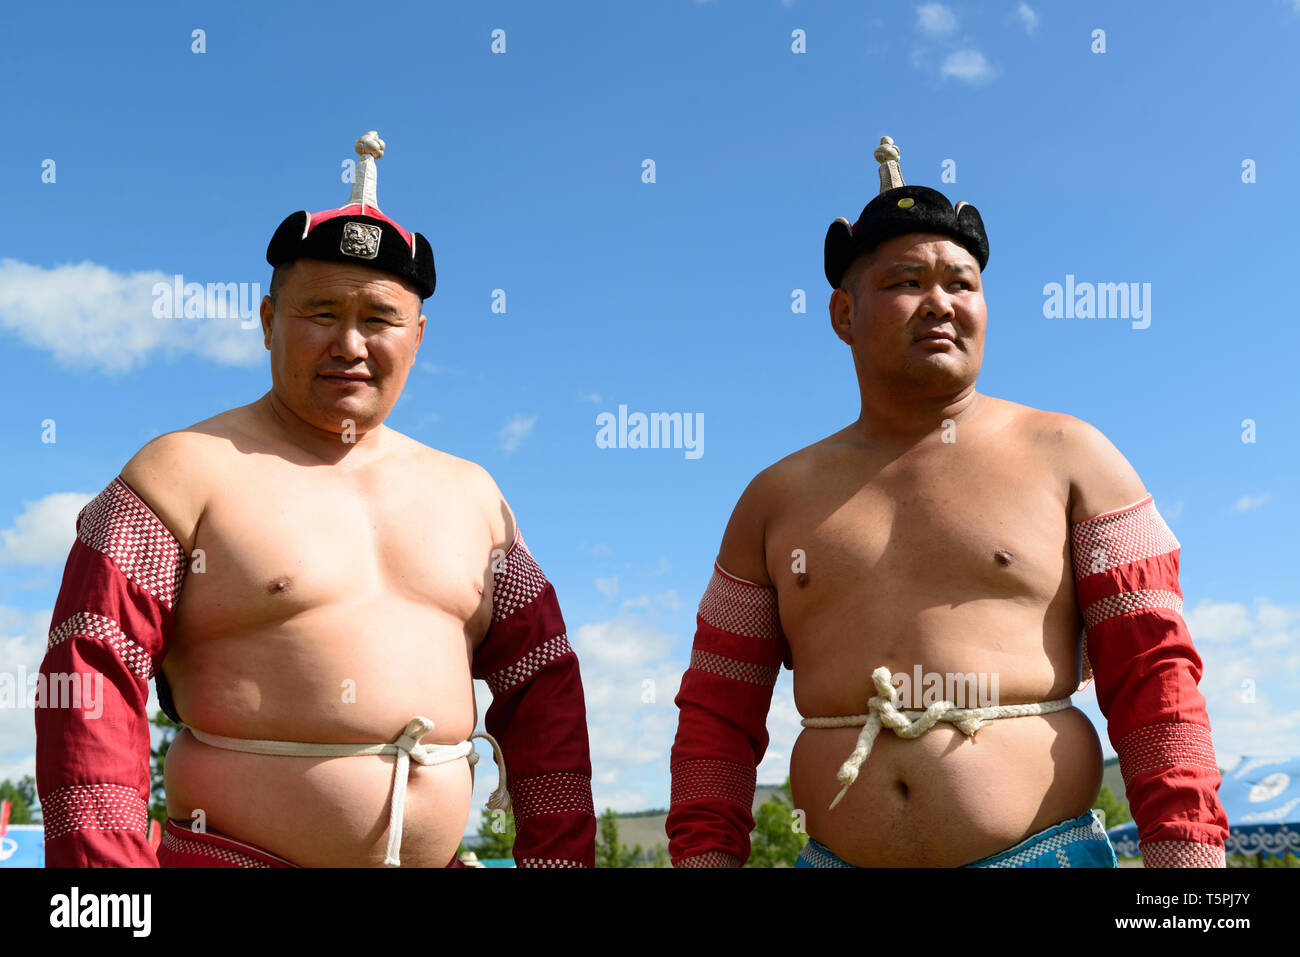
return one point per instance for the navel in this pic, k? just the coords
(277, 586)
(802, 579)
(1002, 556)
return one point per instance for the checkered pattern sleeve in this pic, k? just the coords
(111, 625)
(538, 715)
(1146, 671)
(722, 724)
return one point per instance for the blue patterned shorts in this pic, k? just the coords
(1081, 842)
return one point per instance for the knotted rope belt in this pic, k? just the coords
(883, 711)
(406, 747)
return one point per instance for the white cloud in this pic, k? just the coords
(641, 601)
(935, 19)
(590, 397)
(1218, 621)
(1030, 19)
(89, 316)
(669, 600)
(1248, 502)
(607, 586)
(969, 66)
(514, 432)
(599, 549)
(43, 532)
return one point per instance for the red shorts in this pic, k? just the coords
(182, 847)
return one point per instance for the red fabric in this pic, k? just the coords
(356, 209)
(538, 715)
(722, 725)
(113, 618)
(1146, 671)
(183, 847)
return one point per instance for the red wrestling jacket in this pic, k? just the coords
(722, 728)
(112, 623)
(538, 715)
(115, 618)
(1146, 670)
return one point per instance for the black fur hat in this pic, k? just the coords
(899, 210)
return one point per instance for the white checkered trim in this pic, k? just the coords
(98, 628)
(181, 846)
(1159, 746)
(548, 862)
(763, 675)
(93, 807)
(119, 525)
(709, 859)
(555, 793)
(1112, 606)
(814, 855)
(523, 670)
(1120, 537)
(1181, 854)
(740, 607)
(516, 581)
(1055, 844)
(702, 779)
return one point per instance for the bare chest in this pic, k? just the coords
(941, 527)
(277, 541)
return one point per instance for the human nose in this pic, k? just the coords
(348, 342)
(937, 302)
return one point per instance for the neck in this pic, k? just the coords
(325, 445)
(896, 417)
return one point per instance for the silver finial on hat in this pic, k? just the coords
(365, 181)
(891, 177)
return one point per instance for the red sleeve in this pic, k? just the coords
(722, 725)
(111, 624)
(538, 716)
(1147, 671)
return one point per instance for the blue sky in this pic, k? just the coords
(525, 171)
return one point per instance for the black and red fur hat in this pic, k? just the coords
(897, 211)
(358, 232)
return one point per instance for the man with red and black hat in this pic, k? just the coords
(948, 541)
(313, 592)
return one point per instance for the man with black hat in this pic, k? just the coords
(341, 584)
(950, 541)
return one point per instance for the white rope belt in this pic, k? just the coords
(406, 747)
(883, 711)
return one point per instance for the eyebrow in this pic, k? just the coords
(372, 305)
(959, 268)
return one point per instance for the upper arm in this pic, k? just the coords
(743, 553)
(168, 476)
(1101, 478)
(497, 512)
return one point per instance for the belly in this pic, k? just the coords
(352, 672)
(945, 799)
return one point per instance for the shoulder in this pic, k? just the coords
(471, 481)
(743, 551)
(1101, 479)
(172, 474)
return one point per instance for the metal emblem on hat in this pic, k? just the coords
(907, 202)
(360, 240)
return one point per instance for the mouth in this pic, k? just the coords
(345, 378)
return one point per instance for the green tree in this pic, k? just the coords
(1115, 810)
(609, 852)
(157, 757)
(495, 840)
(23, 798)
(775, 841)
